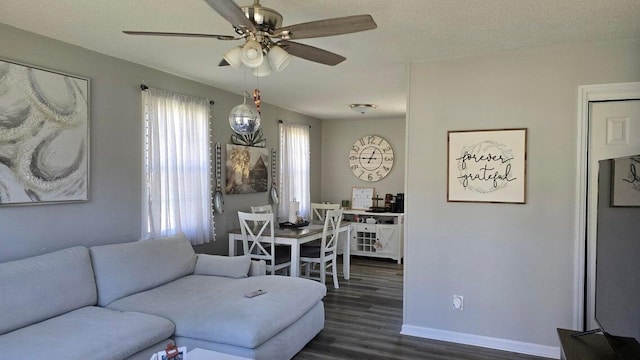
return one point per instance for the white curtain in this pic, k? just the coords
(294, 168)
(177, 196)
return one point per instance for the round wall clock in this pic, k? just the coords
(371, 158)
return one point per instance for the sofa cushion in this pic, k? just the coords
(214, 308)
(44, 286)
(88, 333)
(125, 269)
(229, 266)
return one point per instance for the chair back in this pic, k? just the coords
(258, 235)
(261, 209)
(319, 210)
(330, 233)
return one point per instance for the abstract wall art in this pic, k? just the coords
(44, 136)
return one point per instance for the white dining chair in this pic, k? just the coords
(319, 210)
(262, 209)
(258, 241)
(325, 254)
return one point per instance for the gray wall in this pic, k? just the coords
(337, 138)
(113, 213)
(514, 264)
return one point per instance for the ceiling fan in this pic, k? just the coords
(266, 38)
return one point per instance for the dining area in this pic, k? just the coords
(305, 248)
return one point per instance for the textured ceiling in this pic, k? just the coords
(376, 66)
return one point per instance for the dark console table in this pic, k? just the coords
(586, 347)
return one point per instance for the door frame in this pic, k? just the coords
(586, 95)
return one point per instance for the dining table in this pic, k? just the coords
(296, 236)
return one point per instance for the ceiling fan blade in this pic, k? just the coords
(156, 33)
(223, 62)
(328, 27)
(229, 10)
(311, 53)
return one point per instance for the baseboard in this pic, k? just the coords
(483, 341)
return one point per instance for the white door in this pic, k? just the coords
(614, 131)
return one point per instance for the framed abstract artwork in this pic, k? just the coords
(246, 169)
(487, 166)
(625, 181)
(44, 136)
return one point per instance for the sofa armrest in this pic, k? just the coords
(258, 267)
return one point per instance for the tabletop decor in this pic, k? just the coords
(487, 166)
(247, 170)
(44, 136)
(361, 198)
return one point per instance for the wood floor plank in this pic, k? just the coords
(363, 319)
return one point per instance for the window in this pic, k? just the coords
(177, 187)
(294, 167)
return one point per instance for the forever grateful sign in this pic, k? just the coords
(487, 166)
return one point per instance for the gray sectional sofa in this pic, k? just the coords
(127, 301)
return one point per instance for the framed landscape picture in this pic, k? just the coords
(247, 170)
(487, 166)
(44, 136)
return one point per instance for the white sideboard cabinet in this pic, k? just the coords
(381, 236)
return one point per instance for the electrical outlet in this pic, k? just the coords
(458, 302)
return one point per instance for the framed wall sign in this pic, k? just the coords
(626, 181)
(487, 166)
(44, 136)
(361, 198)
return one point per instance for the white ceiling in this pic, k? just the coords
(376, 67)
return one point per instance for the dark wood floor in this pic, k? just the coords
(364, 319)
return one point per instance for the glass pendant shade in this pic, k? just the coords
(244, 119)
(263, 70)
(232, 57)
(278, 58)
(251, 54)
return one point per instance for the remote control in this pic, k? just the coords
(255, 293)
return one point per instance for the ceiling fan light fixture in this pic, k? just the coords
(251, 54)
(278, 58)
(263, 70)
(362, 108)
(232, 57)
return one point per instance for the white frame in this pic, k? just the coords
(67, 121)
(487, 166)
(362, 198)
